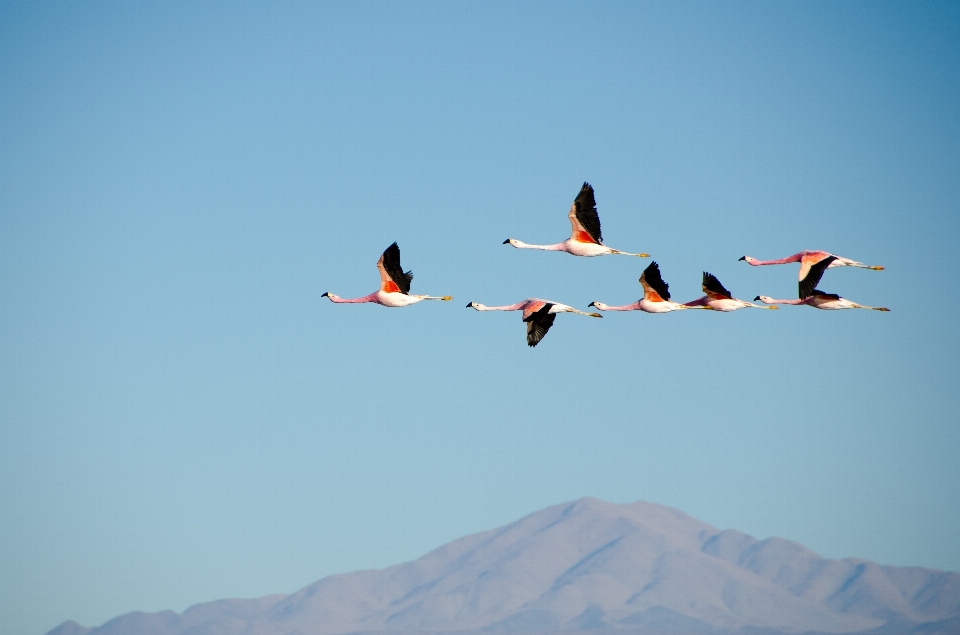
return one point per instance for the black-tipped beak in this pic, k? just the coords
(506, 241)
(742, 258)
(325, 294)
(592, 304)
(470, 305)
(756, 299)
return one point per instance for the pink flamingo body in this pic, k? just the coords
(656, 296)
(394, 285)
(820, 300)
(586, 238)
(538, 315)
(809, 262)
(718, 298)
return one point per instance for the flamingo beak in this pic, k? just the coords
(506, 241)
(592, 304)
(470, 306)
(742, 258)
(756, 299)
(325, 294)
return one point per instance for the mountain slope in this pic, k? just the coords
(591, 565)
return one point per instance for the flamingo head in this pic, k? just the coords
(510, 241)
(598, 305)
(763, 298)
(474, 305)
(329, 295)
(750, 259)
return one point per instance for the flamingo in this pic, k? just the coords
(538, 314)
(808, 259)
(820, 300)
(394, 284)
(656, 295)
(585, 237)
(719, 299)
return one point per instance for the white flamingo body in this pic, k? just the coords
(718, 298)
(586, 238)
(821, 300)
(538, 315)
(656, 296)
(394, 285)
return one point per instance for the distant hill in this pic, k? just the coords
(587, 566)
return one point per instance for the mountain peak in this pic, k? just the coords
(587, 565)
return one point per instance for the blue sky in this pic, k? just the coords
(184, 418)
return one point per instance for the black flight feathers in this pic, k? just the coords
(712, 285)
(391, 264)
(809, 284)
(586, 206)
(831, 296)
(651, 276)
(539, 323)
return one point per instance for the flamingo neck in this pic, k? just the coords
(628, 307)
(367, 298)
(558, 247)
(781, 261)
(509, 307)
(795, 302)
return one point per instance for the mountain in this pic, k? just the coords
(586, 566)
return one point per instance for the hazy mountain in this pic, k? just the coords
(589, 565)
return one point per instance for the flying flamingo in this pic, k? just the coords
(719, 299)
(538, 314)
(656, 295)
(394, 284)
(808, 259)
(585, 237)
(820, 300)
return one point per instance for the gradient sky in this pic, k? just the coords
(183, 417)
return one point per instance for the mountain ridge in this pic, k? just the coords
(590, 565)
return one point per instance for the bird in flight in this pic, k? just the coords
(585, 236)
(656, 295)
(538, 314)
(820, 300)
(808, 260)
(719, 299)
(394, 288)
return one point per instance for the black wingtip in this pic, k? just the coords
(756, 299)
(325, 294)
(742, 258)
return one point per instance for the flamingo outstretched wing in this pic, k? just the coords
(713, 288)
(392, 277)
(538, 323)
(654, 288)
(821, 294)
(584, 220)
(808, 284)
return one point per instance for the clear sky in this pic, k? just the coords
(183, 417)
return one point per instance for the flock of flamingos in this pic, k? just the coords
(586, 240)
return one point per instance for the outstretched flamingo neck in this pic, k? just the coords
(794, 302)
(510, 307)
(558, 247)
(629, 307)
(367, 298)
(781, 261)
